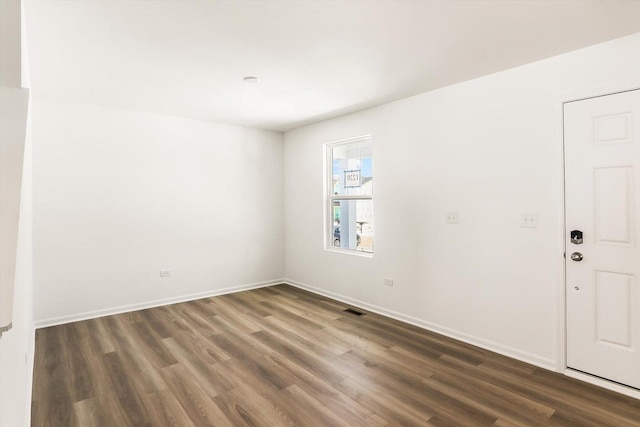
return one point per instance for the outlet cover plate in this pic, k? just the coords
(529, 221)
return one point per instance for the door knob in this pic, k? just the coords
(576, 256)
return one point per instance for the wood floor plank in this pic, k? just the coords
(244, 361)
(204, 374)
(89, 413)
(200, 344)
(248, 407)
(318, 337)
(165, 410)
(196, 320)
(155, 321)
(250, 303)
(482, 401)
(242, 323)
(373, 396)
(281, 311)
(309, 361)
(53, 403)
(200, 408)
(281, 356)
(311, 410)
(413, 391)
(128, 399)
(340, 403)
(301, 307)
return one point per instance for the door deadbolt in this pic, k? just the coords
(576, 237)
(576, 256)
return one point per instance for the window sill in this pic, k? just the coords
(361, 254)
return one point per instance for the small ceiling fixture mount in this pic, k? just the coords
(251, 79)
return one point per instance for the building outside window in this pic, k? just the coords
(350, 195)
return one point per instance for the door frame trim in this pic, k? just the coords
(561, 301)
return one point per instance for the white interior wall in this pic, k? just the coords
(14, 104)
(489, 148)
(121, 195)
(13, 115)
(16, 344)
(10, 43)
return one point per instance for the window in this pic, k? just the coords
(350, 195)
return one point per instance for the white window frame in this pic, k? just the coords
(330, 198)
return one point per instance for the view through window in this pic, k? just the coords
(350, 195)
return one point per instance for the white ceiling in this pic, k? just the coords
(315, 59)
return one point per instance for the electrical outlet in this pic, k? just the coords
(165, 273)
(452, 218)
(529, 221)
(388, 281)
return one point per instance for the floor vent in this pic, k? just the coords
(352, 311)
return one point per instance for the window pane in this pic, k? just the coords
(351, 168)
(353, 224)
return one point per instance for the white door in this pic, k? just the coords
(602, 194)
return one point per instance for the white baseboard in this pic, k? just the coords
(533, 359)
(150, 304)
(618, 388)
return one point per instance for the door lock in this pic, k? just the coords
(576, 237)
(576, 256)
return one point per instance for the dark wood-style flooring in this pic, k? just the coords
(281, 356)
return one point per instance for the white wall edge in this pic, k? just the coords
(150, 304)
(618, 388)
(560, 273)
(533, 359)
